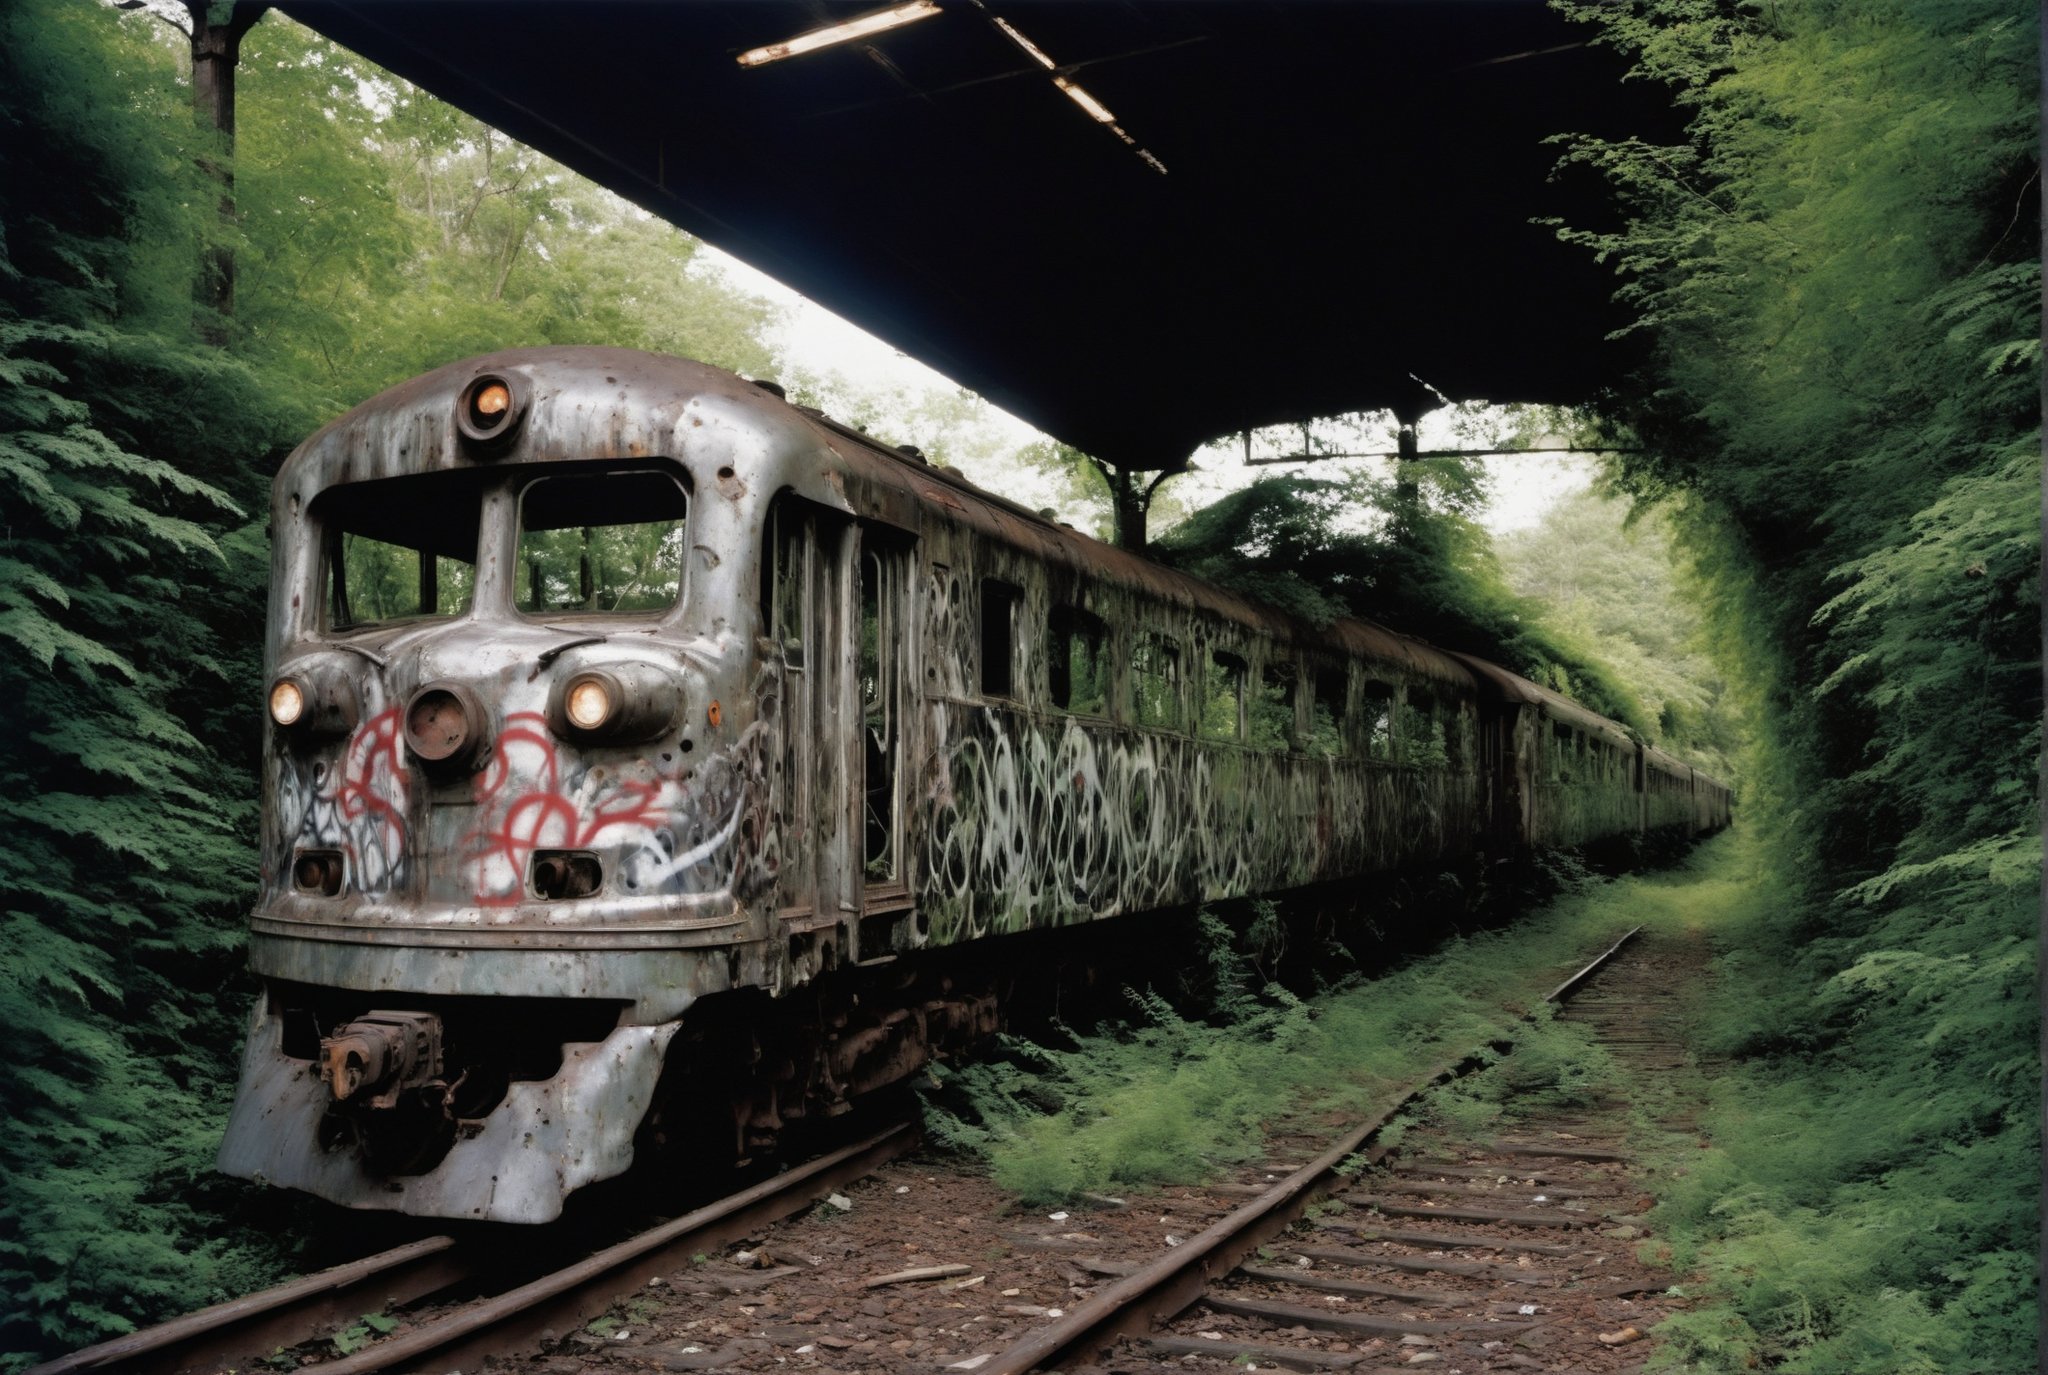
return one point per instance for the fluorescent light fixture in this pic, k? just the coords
(1031, 49)
(861, 26)
(1097, 111)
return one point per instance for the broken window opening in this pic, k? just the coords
(880, 588)
(599, 543)
(1376, 720)
(1077, 662)
(399, 548)
(1326, 714)
(1422, 733)
(1155, 675)
(1223, 697)
(998, 637)
(1271, 724)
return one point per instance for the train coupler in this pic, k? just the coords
(381, 1054)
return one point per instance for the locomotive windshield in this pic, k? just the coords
(400, 548)
(603, 542)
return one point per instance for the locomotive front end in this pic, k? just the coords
(516, 775)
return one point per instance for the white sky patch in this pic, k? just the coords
(1525, 487)
(846, 361)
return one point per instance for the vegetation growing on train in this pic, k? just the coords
(1411, 557)
(1838, 284)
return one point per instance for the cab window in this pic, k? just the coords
(601, 542)
(398, 548)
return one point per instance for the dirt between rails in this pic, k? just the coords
(1554, 1266)
(803, 1296)
(798, 1297)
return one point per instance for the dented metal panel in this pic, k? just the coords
(543, 1142)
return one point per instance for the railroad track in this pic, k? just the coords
(232, 1335)
(1468, 1251)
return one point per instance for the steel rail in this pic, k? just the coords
(1571, 985)
(1174, 1280)
(285, 1315)
(575, 1294)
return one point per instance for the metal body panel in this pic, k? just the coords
(543, 1142)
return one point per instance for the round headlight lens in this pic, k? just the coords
(437, 725)
(287, 702)
(488, 406)
(588, 703)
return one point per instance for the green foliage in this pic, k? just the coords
(1838, 300)
(1167, 1095)
(361, 1333)
(386, 233)
(130, 598)
(1607, 582)
(1406, 553)
(1555, 1067)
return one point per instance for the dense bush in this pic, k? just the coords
(1838, 298)
(130, 600)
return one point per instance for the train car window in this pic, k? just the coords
(1376, 723)
(601, 542)
(1422, 734)
(1155, 676)
(879, 656)
(1457, 726)
(1326, 715)
(1077, 661)
(1271, 723)
(1223, 697)
(998, 637)
(784, 580)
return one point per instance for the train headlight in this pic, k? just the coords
(588, 702)
(287, 702)
(445, 726)
(620, 704)
(490, 408)
(315, 698)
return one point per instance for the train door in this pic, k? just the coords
(797, 605)
(1508, 775)
(881, 630)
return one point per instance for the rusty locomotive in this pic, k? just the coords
(639, 744)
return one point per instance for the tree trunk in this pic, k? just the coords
(217, 32)
(1131, 505)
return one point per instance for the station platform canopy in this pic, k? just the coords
(1136, 224)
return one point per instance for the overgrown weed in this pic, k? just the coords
(1166, 1095)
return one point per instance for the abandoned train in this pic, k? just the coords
(606, 688)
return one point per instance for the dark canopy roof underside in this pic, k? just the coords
(1347, 198)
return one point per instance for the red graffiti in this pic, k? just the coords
(544, 816)
(374, 785)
